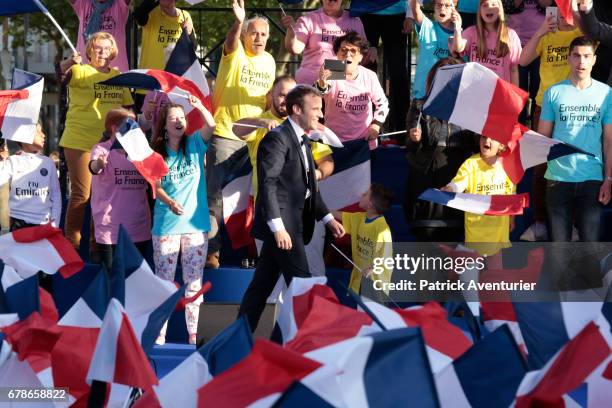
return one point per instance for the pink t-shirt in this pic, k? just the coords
(348, 105)
(119, 196)
(318, 31)
(501, 66)
(527, 22)
(113, 22)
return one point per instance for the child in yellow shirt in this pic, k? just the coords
(484, 174)
(370, 236)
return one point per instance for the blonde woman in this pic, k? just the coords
(88, 104)
(491, 43)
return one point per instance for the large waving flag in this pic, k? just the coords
(512, 204)
(150, 164)
(297, 301)
(118, 357)
(177, 88)
(475, 98)
(364, 365)
(487, 375)
(566, 370)
(41, 248)
(444, 342)
(18, 295)
(343, 189)
(260, 378)
(18, 119)
(221, 353)
(238, 202)
(530, 149)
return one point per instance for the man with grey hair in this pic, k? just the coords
(245, 76)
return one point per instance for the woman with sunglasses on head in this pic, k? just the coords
(89, 101)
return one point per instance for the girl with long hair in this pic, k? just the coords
(491, 42)
(181, 221)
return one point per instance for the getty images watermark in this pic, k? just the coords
(421, 272)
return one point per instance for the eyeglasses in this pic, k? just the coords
(444, 6)
(102, 49)
(352, 51)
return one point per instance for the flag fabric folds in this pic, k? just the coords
(118, 357)
(487, 375)
(177, 88)
(530, 149)
(42, 248)
(512, 204)
(475, 98)
(18, 295)
(566, 370)
(259, 378)
(221, 353)
(351, 178)
(150, 164)
(565, 8)
(18, 118)
(238, 202)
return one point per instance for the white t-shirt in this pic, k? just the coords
(35, 195)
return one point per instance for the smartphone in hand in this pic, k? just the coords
(337, 68)
(552, 12)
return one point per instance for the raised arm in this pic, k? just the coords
(244, 132)
(292, 44)
(141, 13)
(529, 52)
(417, 13)
(591, 26)
(209, 122)
(233, 36)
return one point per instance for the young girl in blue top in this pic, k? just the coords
(181, 220)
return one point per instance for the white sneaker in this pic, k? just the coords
(536, 232)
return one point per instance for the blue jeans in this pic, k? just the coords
(568, 201)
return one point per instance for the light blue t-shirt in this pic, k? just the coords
(579, 117)
(185, 183)
(433, 46)
(468, 6)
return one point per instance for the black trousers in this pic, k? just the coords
(272, 262)
(106, 252)
(388, 28)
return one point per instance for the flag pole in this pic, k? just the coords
(392, 133)
(50, 17)
(249, 126)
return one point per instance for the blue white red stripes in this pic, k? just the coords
(18, 118)
(512, 204)
(41, 248)
(150, 164)
(475, 98)
(238, 203)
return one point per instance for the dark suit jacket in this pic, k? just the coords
(282, 186)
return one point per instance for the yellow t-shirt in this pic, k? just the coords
(88, 103)
(319, 150)
(553, 50)
(475, 176)
(160, 32)
(369, 239)
(241, 87)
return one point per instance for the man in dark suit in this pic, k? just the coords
(288, 200)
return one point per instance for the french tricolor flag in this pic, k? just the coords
(343, 189)
(41, 248)
(221, 353)
(19, 108)
(530, 149)
(238, 203)
(511, 204)
(150, 164)
(566, 371)
(296, 301)
(177, 88)
(475, 98)
(118, 357)
(487, 375)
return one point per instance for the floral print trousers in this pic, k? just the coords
(193, 249)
